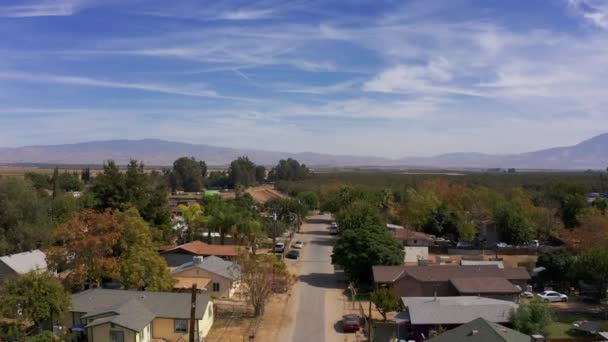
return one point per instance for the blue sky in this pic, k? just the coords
(388, 78)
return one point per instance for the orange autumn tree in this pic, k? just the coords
(592, 233)
(85, 248)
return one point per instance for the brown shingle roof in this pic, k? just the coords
(409, 234)
(387, 274)
(480, 285)
(434, 273)
(201, 248)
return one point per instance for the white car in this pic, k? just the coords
(279, 247)
(552, 296)
(334, 225)
(298, 245)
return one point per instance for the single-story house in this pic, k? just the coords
(481, 330)
(410, 237)
(22, 263)
(452, 280)
(138, 316)
(218, 276)
(427, 314)
(179, 255)
(414, 254)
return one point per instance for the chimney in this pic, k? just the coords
(537, 338)
(197, 260)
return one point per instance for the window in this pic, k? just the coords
(216, 287)
(117, 336)
(181, 325)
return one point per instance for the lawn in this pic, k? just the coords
(562, 324)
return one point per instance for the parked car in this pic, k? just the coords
(298, 244)
(333, 231)
(503, 245)
(293, 254)
(279, 247)
(463, 244)
(552, 296)
(351, 323)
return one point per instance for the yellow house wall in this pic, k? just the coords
(101, 333)
(227, 287)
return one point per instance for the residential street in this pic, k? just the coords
(318, 301)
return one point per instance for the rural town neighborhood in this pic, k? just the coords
(303, 171)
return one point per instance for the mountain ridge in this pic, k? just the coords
(588, 154)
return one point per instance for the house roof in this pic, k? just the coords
(387, 274)
(26, 262)
(438, 273)
(201, 248)
(481, 330)
(133, 315)
(497, 263)
(483, 285)
(187, 282)
(134, 307)
(457, 310)
(410, 234)
(213, 264)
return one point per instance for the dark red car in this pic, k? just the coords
(351, 323)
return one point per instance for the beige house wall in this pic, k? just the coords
(227, 286)
(101, 333)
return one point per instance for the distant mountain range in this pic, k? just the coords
(589, 154)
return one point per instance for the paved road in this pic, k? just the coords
(316, 307)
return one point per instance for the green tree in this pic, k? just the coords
(109, 188)
(188, 174)
(260, 173)
(289, 170)
(359, 215)
(357, 250)
(36, 297)
(532, 317)
(141, 267)
(441, 221)
(85, 175)
(592, 265)
(242, 171)
(601, 204)
(385, 301)
(512, 223)
(25, 223)
(310, 199)
(558, 266)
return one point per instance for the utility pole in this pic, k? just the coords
(192, 313)
(370, 338)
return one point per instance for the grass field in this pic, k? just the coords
(561, 327)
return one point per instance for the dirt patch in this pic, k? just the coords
(264, 193)
(231, 323)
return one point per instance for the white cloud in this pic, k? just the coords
(245, 14)
(594, 11)
(86, 81)
(45, 8)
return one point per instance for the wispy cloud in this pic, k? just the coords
(45, 8)
(92, 82)
(594, 11)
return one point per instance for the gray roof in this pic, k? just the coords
(26, 262)
(132, 315)
(457, 310)
(213, 264)
(482, 263)
(135, 309)
(481, 330)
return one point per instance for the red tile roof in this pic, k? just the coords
(204, 249)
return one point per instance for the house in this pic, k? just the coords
(179, 255)
(410, 237)
(415, 254)
(21, 263)
(452, 280)
(481, 330)
(138, 316)
(218, 276)
(426, 314)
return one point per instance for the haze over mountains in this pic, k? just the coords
(589, 154)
